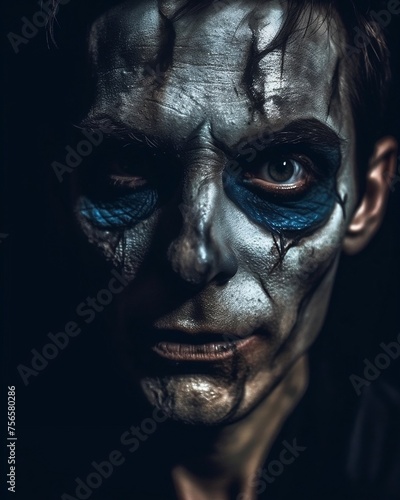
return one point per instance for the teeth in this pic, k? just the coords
(210, 351)
(201, 349)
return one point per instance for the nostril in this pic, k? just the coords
(200, 253)
(193, 264)
(199, 264)
(227, 268)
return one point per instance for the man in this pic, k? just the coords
(239, 162)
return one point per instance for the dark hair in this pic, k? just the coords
(366, 57)
(367, 65)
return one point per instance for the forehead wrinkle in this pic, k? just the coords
(205, 64)
(209, 84)
(212, 41)
(208, 73)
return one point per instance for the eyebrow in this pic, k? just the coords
(116, 130)
(310, 132)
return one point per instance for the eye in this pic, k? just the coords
(119, 190)
(283, 171)
(289, 174)
(129, 167)
(127, 173)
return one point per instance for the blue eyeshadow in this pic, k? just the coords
(120, 212)
(279, 215)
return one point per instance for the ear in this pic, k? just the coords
(369, 213)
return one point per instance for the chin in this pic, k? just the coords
(207, 400)
(195, 399)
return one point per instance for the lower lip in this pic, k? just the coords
(203, 352)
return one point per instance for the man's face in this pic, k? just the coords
(224, 198)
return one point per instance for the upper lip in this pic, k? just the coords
(179, 336)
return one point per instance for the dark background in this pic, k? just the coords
(75, 411)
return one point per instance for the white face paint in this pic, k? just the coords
(231, 268)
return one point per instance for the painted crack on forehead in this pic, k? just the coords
(182, 71)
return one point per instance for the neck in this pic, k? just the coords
(226, 460)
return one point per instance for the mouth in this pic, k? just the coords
(180, 346)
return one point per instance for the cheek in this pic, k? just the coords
(291, 273)
(292, 270)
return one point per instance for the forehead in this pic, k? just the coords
(218, 66)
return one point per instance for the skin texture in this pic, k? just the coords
(210, 244)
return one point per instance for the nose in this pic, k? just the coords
(202, 252)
